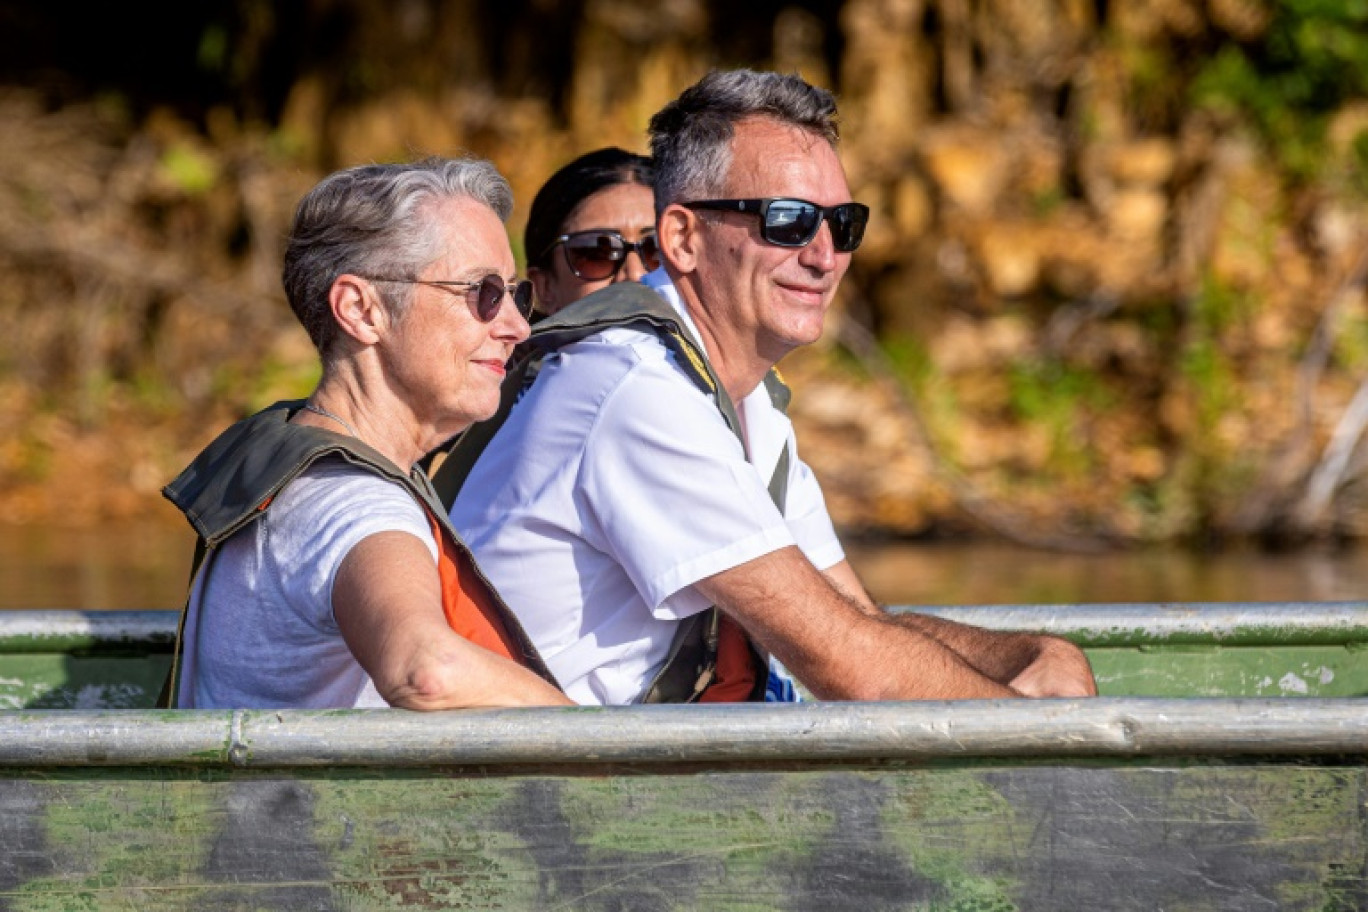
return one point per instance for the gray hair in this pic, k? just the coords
(375, 220)
(691, 136)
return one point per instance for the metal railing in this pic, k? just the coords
(1106, 727)
(1230, 623)
(756, 733)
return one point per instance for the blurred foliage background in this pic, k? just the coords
(1113, 290)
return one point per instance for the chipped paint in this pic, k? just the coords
(999, 837)
(1293, 684)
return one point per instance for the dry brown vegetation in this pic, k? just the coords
(1105, 296)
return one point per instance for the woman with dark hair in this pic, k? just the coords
(592, 224)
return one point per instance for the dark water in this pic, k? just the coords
(133, 566)
(146, 566)
(988, 573)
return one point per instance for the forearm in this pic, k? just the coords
(832, 644)
(844, 578)
(1033, 665)
(998, 656)
(881, 660)
(994, 654)
(387, 602)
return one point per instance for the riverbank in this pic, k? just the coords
(1114, 290)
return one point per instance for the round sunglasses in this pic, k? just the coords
(786, 222)
(599, 253)
(485, 296)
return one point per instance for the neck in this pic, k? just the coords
(368, 412)
(320, 410)
(736, 359)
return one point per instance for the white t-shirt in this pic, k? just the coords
(260, 632)
(614, 486)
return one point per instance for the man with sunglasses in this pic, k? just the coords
(648, 475)
(326, 574)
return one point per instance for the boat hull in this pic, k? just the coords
(1226, 785)
(1118, 803)
(991, 836)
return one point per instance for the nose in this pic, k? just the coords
(820, 254)
(509, 324)
(633, 268)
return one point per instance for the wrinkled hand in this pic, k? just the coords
(1060, 669)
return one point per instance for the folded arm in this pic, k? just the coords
(829, 633)
(1034, 665)
(388, 603)
(831, 643)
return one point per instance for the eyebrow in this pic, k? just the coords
(475, 273)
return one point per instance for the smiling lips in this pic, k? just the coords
(493, 365)
(805, 291)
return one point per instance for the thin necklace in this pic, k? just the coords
(319, 410)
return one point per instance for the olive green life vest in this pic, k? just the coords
(232, 483)
(691, 661)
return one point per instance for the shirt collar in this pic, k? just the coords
(659, 281)
(766, 429)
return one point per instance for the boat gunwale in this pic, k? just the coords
(646, 736)
(1116, 625)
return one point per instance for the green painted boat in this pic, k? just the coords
(1222, 769)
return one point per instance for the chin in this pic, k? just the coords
(456, 417)
(484, 410)
(804, 332)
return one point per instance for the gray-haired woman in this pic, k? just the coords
(330, 575)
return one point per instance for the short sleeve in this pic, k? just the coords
(320, 517)
(669, 492)
(808, 519)
(771, 434)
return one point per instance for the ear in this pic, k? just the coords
(677, 232)
(357, 308)
(544, 286)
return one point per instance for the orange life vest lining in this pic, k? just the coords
(736, 666)
(467, 602)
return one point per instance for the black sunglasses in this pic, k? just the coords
(788, 222)
(599, 253)
(484, 296)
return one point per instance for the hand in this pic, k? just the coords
(1060, 669)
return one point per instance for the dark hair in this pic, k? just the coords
(691, 136)
(573, 184)
(373, 220)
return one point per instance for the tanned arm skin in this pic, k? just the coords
(828, 632)
(1034, 665)
(387, 600)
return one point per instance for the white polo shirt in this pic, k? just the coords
(614, 486)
